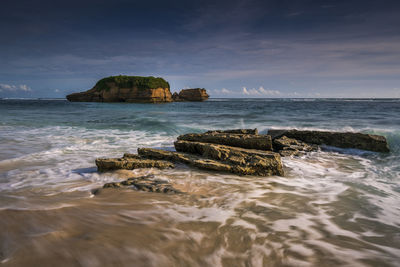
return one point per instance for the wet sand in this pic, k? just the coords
(221, 220)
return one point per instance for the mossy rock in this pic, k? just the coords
(123, 81)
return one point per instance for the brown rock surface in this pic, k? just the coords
(362, 141)
(130, 163)
(259, 166)
(185, 158)
(258, 162)
(126, 89)
(195, 94)
(115, 94)
(143, 183)
(251, 141)
(291, 147)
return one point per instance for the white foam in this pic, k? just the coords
(69, 151)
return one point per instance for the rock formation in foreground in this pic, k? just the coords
(376, 143)
(144, 183)
(220, 158)
(136, 89)
(126, 89)
(195, 94)
(291, 147)
(239, 151)
(130, 163)
(251, 141)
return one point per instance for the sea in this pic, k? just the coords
(333, 207)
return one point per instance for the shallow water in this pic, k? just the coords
(333, 207)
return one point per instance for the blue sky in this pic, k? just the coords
(231, 48)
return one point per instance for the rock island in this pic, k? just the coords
(136, 89)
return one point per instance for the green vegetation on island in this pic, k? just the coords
(123, 81)
(138, 89)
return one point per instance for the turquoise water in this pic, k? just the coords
(334, 206)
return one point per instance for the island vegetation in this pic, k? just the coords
(124, 81)
(136, 89)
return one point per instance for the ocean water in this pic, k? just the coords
(333, 207)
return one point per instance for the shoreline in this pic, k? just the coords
(327, 199)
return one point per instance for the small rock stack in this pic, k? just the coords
(194, 94)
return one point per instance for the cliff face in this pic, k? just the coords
(126, 89)
(136, 89)
(196, 94)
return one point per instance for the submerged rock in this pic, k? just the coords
(251, 141)
(291, 147)
(130, 163)
(195, 94)
(143, 183)
(126, 89)
(362, 141)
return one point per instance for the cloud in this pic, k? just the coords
(223, 91)
(260, 92)
(14, 88)
(340, 48)
(268, 92)
(24, 87)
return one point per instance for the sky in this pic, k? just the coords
(261, 49)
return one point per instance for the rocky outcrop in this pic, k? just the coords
(130, 163)
(126, 89)
(238, 151)
(233, 151)
(286, 146)
(251, 141)
(362, 141)
(263, 163)
(189, 159)
(219, 158)
(143, 183)
(196, 94)
(136, 89)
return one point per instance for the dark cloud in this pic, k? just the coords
(334, 48)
